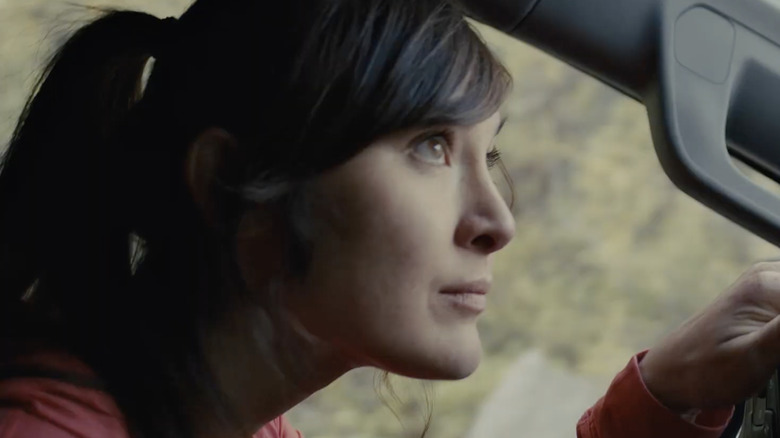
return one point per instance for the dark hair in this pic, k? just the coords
(93, 175)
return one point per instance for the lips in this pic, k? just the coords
(480, 287)
(467, 297)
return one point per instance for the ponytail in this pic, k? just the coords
(58, 227)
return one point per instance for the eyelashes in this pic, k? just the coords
(493, 157)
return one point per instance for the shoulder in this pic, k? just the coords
(17, 423)
(47, 407)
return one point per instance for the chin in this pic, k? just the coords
(462, 360)
(461, 368)
(450, 365)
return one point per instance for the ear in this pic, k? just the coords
(206, 157)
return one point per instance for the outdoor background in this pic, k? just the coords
(608, 255)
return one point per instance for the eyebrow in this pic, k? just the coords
(500, 125)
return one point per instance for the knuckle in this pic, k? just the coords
(761, 281)
(763, 266)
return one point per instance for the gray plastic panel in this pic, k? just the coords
(612, 40)
(708, 72)
(718, 71)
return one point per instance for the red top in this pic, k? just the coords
(38, 408)
(48, 408)
(629, 410)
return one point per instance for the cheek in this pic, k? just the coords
(376, 255)
(383, 243)
(377, 247)
(386, 222)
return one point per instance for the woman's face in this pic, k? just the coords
(402, 249)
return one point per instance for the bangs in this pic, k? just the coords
(339, 75)
(379, 67)
(457, 81)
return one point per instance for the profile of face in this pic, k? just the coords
(401, 253)
(380, 118)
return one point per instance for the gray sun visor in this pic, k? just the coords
(707, 71)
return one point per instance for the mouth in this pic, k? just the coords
(468, 297)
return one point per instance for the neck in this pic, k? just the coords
(263, 380)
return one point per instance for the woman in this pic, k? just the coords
(293, 194)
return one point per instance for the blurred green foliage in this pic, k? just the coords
(608, 255)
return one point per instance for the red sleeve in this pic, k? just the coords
(629, 410)
(279, 428)
(49, 408)
(287, 430)
(16, 423)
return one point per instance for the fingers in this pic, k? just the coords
(771, 264)
(766, 354)
(769, 341)
(758, 270)
(759, 286)
(757, 297)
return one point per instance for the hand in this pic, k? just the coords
(724, 354)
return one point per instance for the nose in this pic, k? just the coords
(487, 224)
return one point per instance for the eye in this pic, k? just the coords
(493, 157)
(433, 149)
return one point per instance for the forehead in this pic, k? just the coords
(488, 127)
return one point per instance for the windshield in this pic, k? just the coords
(608, 256)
